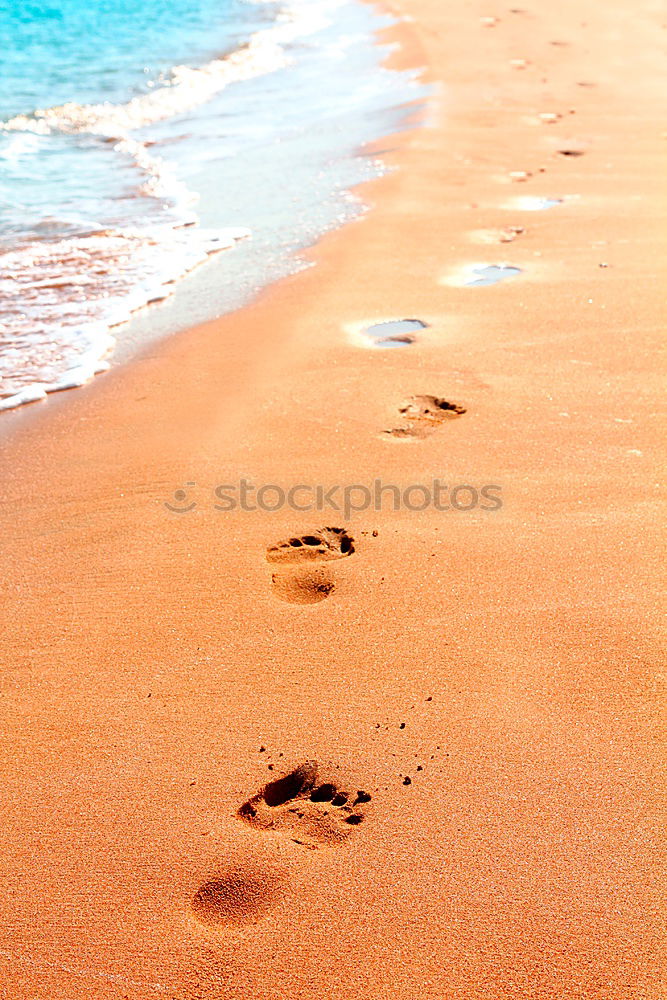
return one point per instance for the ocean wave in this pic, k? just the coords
(65, 285)
(62, 297)
(184, 87)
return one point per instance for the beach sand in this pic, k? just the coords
(488, 679)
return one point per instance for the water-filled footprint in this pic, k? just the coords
(309, 807)
(491, 274)
(480, 275)
(393, 333)
(532, 203)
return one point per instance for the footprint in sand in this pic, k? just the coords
(491, 274)
(389, 333)
(297, 583)
(241, 895)
(307, 587)
(309, 807)
(506, 235)
(327, 543)
(481, 275)
(423, 415)
(532, 203)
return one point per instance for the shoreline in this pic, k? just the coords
(489, 682)
(143, 276)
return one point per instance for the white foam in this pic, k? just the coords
(61, 297)
(184, 88)
(53, 338)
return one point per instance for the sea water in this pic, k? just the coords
(137, 139)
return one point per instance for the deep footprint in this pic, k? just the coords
(308, 808)
(424, 414)
(326, 543)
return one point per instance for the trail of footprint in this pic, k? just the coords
(306, 807)
(423, 415)
(297, 583)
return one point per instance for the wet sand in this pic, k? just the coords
(480, 689)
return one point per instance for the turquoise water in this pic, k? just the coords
(107, 50)
(90, 52)
(137, 139)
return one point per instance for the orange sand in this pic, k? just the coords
(148, 658)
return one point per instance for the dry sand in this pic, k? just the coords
(505, 662)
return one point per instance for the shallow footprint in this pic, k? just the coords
(240, 895)
(326, 543)
(506, 235)
(302, 586)
(311, 811)
(491, 275)
(533, 203)
(424, 414)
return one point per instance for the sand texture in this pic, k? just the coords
(375, 753)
